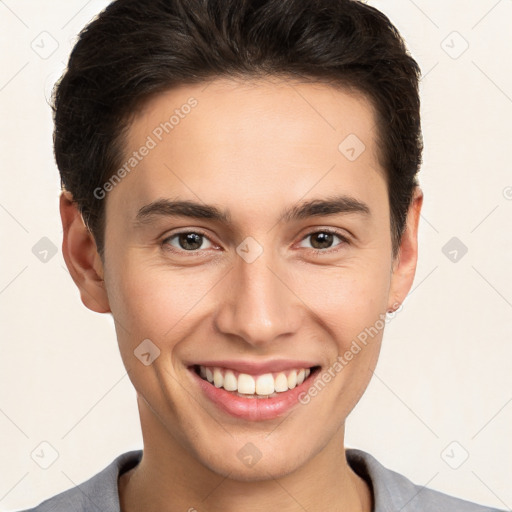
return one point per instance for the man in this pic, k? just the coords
(240, 193)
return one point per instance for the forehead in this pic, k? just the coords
(242, 141)
(301, 114)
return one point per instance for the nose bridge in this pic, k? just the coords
(258, 304)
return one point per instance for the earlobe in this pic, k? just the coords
(404, 266)
(81, 256)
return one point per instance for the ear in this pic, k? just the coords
(81, 256)
(404, 265)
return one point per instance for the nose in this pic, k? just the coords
(258, 303)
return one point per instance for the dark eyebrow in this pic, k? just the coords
(315, 207)
(328, 206)
(183, 208)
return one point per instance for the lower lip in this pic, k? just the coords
(253, 409)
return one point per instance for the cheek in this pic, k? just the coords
(349, 304)
(149, 304)
(347, 299)
(155, 302)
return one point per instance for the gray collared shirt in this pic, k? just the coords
(392, 492)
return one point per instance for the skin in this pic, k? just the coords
(253, 148)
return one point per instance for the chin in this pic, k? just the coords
(250, 464)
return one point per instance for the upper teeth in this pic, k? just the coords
(261, 385)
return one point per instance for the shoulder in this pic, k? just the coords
(100, 492)
(393, 491)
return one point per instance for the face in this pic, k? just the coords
(249, 243)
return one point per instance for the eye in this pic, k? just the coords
(186, 241)
(194, 241)
(322, 240)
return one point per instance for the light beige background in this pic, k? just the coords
(444, 373)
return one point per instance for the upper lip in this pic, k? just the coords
(257, 367)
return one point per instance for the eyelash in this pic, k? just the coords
(317, 252)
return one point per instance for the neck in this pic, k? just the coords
(170, 479)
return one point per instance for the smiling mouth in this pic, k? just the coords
(266, 385)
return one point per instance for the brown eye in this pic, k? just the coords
(189, 241)
(323, 240)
